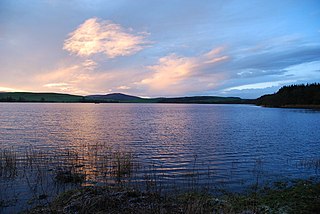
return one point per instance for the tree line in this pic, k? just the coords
(303, 94)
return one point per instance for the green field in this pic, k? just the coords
(39, 97)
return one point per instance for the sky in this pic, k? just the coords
(157, 48)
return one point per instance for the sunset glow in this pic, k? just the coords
(155, 48)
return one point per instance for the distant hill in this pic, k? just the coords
(115, 97)
(123, 98)
(39, 97)
(204, 100)
(293, 96)
(304, 96)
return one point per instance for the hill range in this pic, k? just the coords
(113, 98)
(299, 96)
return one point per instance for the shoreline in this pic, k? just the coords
(302, 106)
(296, 196)
(316, 107)
(297, 106)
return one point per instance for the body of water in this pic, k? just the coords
(169, 144)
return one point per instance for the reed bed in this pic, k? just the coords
(120, 173)
(311, 164)
(8, 163)
(44, 174)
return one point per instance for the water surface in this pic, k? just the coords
(214, 145)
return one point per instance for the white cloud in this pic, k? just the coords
(6, 89)
(261, 85)
(306, 70)
(123, 87)
(99, 36)
(53, 85)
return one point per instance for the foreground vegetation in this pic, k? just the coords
(299, 196)
(122, 195)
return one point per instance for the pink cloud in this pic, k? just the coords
(99, 36)
(174, 75)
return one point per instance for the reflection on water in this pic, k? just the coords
(167, 144)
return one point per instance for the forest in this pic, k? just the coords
(303, 95)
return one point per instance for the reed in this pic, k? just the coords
(122, 165)
(73, 168)
(8, 163)
(311, 164)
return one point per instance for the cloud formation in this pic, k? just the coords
(177, 74)
(169, 71)
(71, 78)
(99, 36)
(261, 85)
(7, 89)
(89, 64)
(255, 50)
(75, 78)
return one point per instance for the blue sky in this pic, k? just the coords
(158, 48)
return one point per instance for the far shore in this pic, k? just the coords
(294, 106)
(302, 106)
(265, 106)
(305, 96)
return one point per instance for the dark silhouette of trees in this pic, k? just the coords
(21, 99)
(7, 99)
(291, 95)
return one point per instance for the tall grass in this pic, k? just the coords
(8, 163)
(47, 173)
(311, 164)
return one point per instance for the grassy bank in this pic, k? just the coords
(298, 196)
